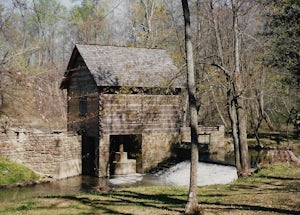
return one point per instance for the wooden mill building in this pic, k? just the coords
(123, 95)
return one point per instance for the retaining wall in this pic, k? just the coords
(211, 136)
(56, 155)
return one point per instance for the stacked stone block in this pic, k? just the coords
(56, 155)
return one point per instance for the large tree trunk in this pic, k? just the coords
(233, 120)
(242, 132)
(192, 203)
(237, 92)
(231, 98)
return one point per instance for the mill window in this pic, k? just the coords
(83, 106)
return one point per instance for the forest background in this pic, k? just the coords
(37, 38)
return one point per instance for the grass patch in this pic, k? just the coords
(26, 206)
(11, 172)
(274, 190)
(278, 170)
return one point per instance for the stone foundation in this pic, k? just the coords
(156, 148)
(56, 155)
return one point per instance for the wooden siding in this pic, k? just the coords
(80, 80)
(136, 114)
(81, 84)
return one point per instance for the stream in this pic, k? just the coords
(176, 175)
(219, 172)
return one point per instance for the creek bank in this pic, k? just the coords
(275, 154)
(274, 190)
(28, 183)
(176, 175)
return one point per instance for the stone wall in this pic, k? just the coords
(104, 156)
(212, 136)
(157, 147)
(155, 117)
(56, 155)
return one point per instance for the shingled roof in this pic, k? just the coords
(127, 66)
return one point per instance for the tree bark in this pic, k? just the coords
(233, 120)
(238, 91)
(192, 203)
(217, 33)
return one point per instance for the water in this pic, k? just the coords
(61, 187)
(177, 175)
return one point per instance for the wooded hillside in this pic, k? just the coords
(37, 37)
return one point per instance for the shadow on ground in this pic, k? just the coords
(114, 203)
(248, 208)
(124, 202)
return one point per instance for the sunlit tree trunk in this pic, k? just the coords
(192, 203)
(233, 120)
(238, 92)
(235, 90)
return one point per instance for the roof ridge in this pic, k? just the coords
(117, 46)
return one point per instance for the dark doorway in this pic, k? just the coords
(132, 145)
(90, 155)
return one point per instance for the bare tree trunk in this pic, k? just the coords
(149, 7)
(1, 88)
(218, 109)
(260, 108)
(185, 122)
(220, 50)
(238, 88)
(233, 120)
(217, 33)
(192, 203)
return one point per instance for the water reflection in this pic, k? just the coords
(62, 187)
